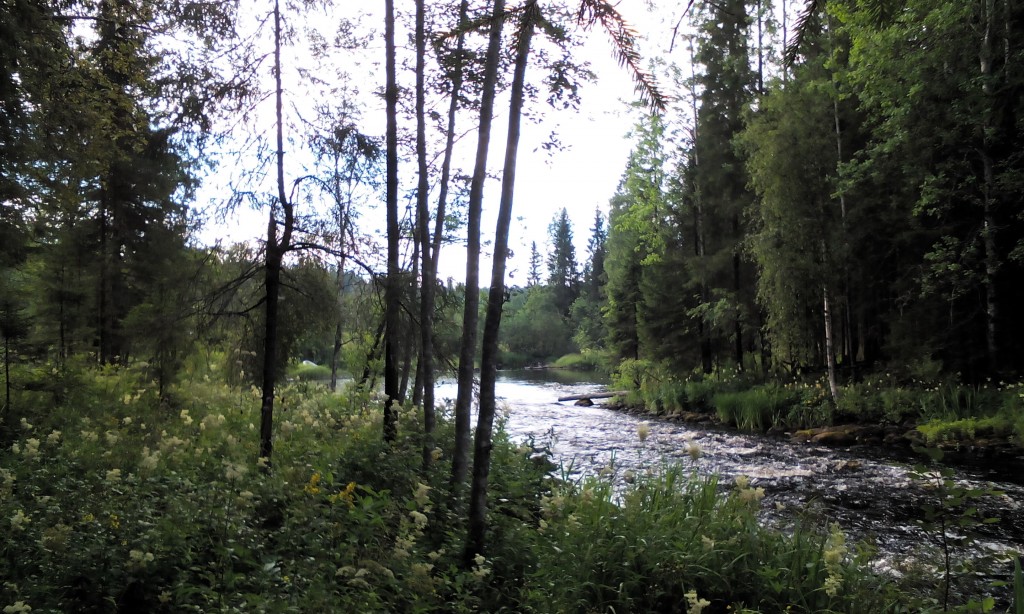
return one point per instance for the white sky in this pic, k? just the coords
(580, 178)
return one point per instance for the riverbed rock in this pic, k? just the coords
(584, 403)
(839, 435)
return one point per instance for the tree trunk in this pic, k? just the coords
(391, 284)
(495, 299)
(467, 350)
(988, 228)
(275, 251)
(830, 356)
(424, 366)
(336, 349)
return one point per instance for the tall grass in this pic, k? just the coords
(674, 540)
(756, 409)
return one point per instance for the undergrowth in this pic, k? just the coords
(114, 499)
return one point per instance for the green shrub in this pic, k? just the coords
(588, 360)
(756, 409)
(671, 541)
(954, 431)
(309, 373)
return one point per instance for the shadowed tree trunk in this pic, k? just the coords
(275, 250)
(425, 365)
(391, 284)
(467, 350)
(492, 322)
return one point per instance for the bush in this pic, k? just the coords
(122, 501)
(309, 373)
(756, 409)
(672, 542)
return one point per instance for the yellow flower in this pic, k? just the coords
(113, 476)
(344, 495)
(312, 487)
(19, 607)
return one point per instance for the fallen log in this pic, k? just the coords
(593, 395)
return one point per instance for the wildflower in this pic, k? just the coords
(7, 480)
(114, 521)
(422, 569)
(479, 570)
(165, 597)
(111, 437)
(693, 449)
(187, 419)
(18, 608)
(19, 520)
(149, 460)
(31, 448)
(127, 420)
(742, 482)
(113, 476)
(26, 425)
(751, 495)
(235, 471)
(246, 494)
(55, 538)
(418, 518)
(312, 487)
(422, 494)
(53, 438)
(436, 554)
(263, 462)
(345, 495)
(835, 550)
(707, 542)
(139, 559)
(695, 605)
(643, 431)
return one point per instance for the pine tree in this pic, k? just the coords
(563, 277)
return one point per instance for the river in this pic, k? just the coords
(869, 491)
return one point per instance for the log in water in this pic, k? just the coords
(593, 395)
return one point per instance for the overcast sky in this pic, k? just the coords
(581, 177)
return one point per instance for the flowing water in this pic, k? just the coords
(869, 491)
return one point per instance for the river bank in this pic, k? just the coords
(984, 420)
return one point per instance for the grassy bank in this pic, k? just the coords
(114, 500)
(943, 412)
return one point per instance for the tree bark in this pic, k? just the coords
(496, 297)
(467, 350)
(425, 364)
(988, 228)
(391, 284)
(275, 251)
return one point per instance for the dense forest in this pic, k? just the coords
(818, 193)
